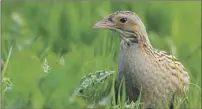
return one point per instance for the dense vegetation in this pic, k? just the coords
(49, 46)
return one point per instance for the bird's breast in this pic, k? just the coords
(131, 64)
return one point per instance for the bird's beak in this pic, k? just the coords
(104, 24)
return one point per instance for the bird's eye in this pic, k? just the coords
(123, 20)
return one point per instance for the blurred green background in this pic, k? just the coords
(59, 35)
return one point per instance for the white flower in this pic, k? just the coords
(8, 83)
(46, 66)
(17, 18)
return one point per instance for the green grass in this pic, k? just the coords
(62, 34)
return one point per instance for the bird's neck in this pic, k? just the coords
(140, 40)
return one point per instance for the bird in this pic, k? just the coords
(155, 76)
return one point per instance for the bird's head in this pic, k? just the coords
(126, 23)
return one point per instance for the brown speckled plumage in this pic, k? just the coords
(155, 74)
